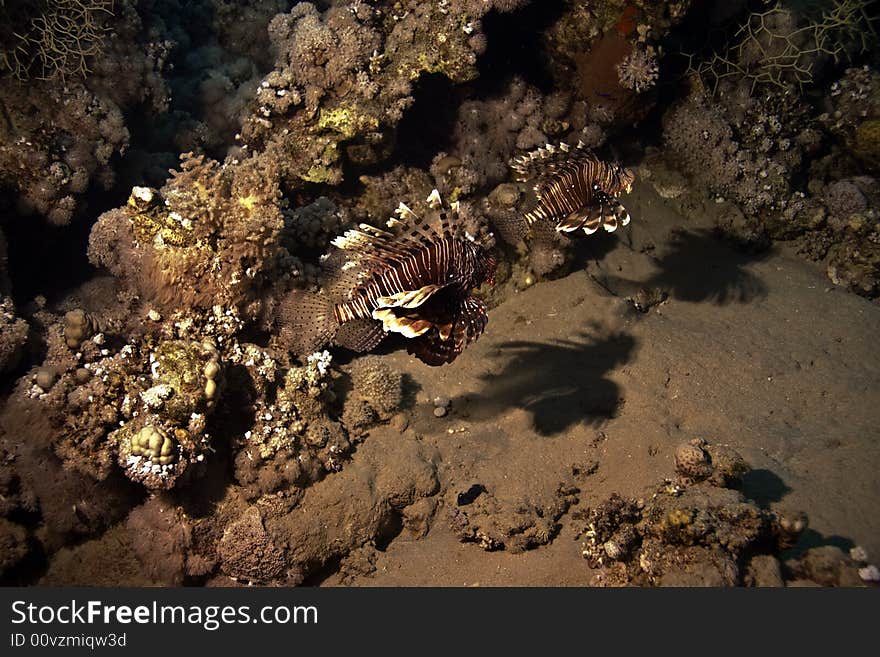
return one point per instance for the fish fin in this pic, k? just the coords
(621, 213)
(369, 247)
(432, 351)
(571, 223)
(409, 327)
(549, 160)
(592, 221)
(307, 321)
(609, 221)
(360, 335)
(473, 319)
(444, 345)
(409, 298)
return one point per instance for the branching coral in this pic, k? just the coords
(780, 46)
(60, 37)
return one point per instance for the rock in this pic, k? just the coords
(764, 570)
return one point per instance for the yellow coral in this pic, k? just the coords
(346, 121)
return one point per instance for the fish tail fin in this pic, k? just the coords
(307, 321)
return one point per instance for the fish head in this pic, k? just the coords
(627, 177)
(486, 267)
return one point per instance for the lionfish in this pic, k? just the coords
(574, 188)
(415, 278)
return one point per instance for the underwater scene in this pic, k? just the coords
(439, 293)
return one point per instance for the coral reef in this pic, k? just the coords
(697, 530)
(751, 148)
(13, 333)
(208, 238)
(750, 160)
(344, 77)
(488, 134)
(292, 442)
(76, 67)
(166, 431)
(174, 416)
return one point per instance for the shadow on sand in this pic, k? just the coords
(560, 383)
(764, 487)
(698, 267)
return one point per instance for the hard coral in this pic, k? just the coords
(344, 77)
(166, 432)
(291, 442)
(209, 237)
(247, 552)
(378, 384)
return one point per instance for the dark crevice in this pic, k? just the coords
(516, 47)
(429, 124)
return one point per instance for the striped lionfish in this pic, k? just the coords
(574, 188)
(415, 278)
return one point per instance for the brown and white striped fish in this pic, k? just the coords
(414, 277)
(575, 189)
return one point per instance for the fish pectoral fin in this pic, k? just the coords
(571, 223)
(621, 212)
(362, 334)
(473, 319)
(408, 327)
(591, 220)
(409, 298)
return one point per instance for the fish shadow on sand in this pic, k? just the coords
(764, 487)
(560, 383)
(697, 266)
